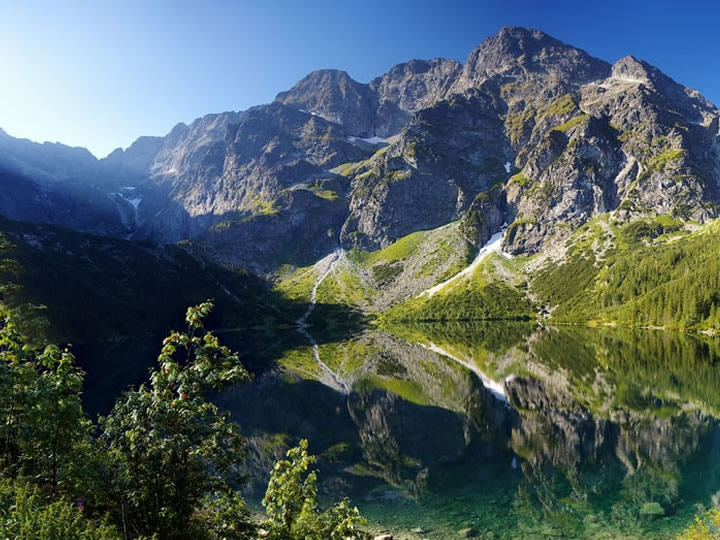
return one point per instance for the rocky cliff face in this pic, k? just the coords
(558, 135)
(382, 107)
(569, 136)
(430, 175)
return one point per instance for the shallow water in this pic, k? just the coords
(509, 429)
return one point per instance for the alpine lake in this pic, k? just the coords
(493, 430)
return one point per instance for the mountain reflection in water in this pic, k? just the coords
(512, 430)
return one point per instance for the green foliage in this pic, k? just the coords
(558, 284)
(97, 288)
(571, 123)
(164, 465)
(643, 282)
(345, 286)
(401, 249)
(660, 162)
(472, 302)
(168, 446)
(327, 194)
(670, 155)
(260, 206)
(562, 106)
(292, 506)
(705, 527)
(518, 123)
(223, 515)
(384, 273)
(45, 442)
(25, 513)
(299, 285)
(420, 259)
(42, 424)
(519, 180)
(647, 229)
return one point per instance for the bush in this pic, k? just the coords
(164, 465)
(706, 527)
(292, 505)
(24, 513)
(168, 447)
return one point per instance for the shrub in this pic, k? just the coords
(292, 506)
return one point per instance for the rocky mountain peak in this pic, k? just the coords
(381, 108)
(317, 86)
(631, 69)
(529, 129)
(134, 162)
(429, 75)
(46, 162)
(438, 69)
(336, 97)
(408, 88)
(516, 52)
(687, 101)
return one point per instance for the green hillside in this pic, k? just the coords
(81, 287)
(650, 272)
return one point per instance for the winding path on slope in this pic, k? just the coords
(326, 266)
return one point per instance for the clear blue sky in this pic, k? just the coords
(101, 73)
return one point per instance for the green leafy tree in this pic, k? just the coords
(163, 465)
(171, 451)
(42, 423)
(292, 506)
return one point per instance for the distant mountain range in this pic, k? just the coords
(529, 133)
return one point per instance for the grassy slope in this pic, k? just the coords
(371, 281)
(430, 256)
(651, 272)
(490, 293)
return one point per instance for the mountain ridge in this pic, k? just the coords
(566, 135)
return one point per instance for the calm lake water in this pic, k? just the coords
(513, 430)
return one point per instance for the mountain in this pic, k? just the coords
(378, 109)
(529, 133)
(55, 184)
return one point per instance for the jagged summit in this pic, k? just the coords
(382, 107)
(335, 96)
(631, 69)
(690, 102)
(522, 52)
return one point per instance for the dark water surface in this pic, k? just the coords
(512, 430)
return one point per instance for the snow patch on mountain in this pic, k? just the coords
(494, 245)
